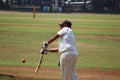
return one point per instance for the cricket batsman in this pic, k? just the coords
(67, 49)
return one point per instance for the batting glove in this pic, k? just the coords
(44, 45)
(43, 51)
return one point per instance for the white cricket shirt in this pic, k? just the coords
(67, 40)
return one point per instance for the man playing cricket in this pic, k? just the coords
(67, 49)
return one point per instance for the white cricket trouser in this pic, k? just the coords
(67, 64)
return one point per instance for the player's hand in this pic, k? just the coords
(44, 45)
(43, 51)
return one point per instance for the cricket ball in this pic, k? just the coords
(23, 60)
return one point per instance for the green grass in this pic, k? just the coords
(97, 38)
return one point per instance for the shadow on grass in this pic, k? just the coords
(11, 77)
(6, 75)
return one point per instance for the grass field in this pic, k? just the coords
(97, 38)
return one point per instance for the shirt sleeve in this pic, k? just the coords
(62, 32)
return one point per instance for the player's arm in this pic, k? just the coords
(53, 50)
(52, 39)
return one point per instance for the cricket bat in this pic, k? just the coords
(42, 51)
(39, 64)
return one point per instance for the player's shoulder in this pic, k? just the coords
(65, 28)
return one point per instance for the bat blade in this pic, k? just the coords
(39, 64)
